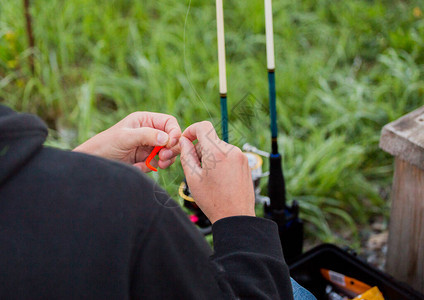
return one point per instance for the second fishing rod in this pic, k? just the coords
(287, 217)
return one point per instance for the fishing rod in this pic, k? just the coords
(222, 68)
(276, 185)
(287, 217)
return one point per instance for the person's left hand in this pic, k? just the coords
(132, 140)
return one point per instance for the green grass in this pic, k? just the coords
(344, 69)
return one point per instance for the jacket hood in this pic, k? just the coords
(21, 136)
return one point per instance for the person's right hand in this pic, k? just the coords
(217, 173)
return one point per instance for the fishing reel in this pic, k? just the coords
(254, 157)
(290, 226)
(197, 216)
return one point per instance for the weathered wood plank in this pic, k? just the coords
(405, 257)
(404, 138)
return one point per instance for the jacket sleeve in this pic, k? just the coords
(175, 262)
(248, 252)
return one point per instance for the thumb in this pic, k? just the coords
(189, 158)
(145, 136)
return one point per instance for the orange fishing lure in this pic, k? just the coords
(151, 156)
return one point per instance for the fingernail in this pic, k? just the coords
(162, 138)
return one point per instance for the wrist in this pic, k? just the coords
(93, 146)
(229, 215)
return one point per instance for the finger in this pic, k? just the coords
(205, 133)
(165, 164)
(142, 165)
(144, 136)
(164, 122)
(142, 153)
(198, 151)
(189, 159)
(167, 154)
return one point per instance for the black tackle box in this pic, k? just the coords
(306, 271)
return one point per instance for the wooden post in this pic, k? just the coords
(30, 34)
(404, 139)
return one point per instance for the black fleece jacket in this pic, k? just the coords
(75, 226)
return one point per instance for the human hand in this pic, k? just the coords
(133, 138)
(217, 173)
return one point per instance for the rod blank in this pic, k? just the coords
(269, 35)
(221, 48)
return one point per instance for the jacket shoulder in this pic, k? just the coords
(85, 183)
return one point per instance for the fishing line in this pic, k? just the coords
(185, 62)
(199, 218)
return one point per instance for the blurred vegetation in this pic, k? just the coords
(344, 69)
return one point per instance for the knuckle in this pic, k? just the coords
(207, 124)
(219, 155)
(125, 135)
(139, 115)
(239, 156)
